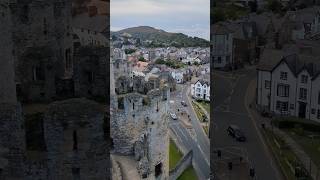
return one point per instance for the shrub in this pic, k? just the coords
(289, 123)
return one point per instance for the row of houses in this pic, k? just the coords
(241, 41)
(288, 84)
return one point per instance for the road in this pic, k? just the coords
(199, 143)
(230, 108)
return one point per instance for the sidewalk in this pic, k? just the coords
(295, 147)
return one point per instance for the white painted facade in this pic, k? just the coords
(200, 91)
(178, 76)
(296, 95)
(279, 97)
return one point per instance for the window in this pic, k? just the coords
(68, 59)
(318, 114)
(75, 141)
(283, 75)
(303, 94)
(313, 111)
(90, 76)
(282, 106)
(38, 73)
(283, 90)
(267, 84)
(304, 79)
(292, 106)
(76, 173)
(228, 59)
(219, 60)
(158, 170)
(45, 26)
(319, 98)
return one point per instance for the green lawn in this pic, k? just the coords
(174, 154)
(309, 145)
(283, 155)
(205, 105)
(199, 112)
(188, 174)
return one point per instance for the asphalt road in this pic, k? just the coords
(200, 143)
(229, 108)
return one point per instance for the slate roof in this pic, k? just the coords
(269, 59)
(296, 62)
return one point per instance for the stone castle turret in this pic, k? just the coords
(139, 122)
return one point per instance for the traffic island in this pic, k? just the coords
(201, 117)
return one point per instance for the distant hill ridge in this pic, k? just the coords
(160, 37)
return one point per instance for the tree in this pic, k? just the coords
(142, 59)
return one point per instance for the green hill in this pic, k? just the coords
(160, 38)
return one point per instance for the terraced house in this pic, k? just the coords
(289, 84)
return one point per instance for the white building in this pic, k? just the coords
(178, 76)
(289, 85)
(201, 90)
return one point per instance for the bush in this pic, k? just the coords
(289, 123)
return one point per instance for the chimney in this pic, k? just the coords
(93, 10)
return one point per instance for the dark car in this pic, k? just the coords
(184, 103)
(236, 133)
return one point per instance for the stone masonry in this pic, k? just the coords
(139, 121)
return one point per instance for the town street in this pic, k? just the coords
(199, 141)
(229, 108)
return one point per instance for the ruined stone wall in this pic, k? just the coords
(85, 157)
(143, 115)
(12, 139)
(91, 71)
(7, 85)
(11, 119)
(42, 39)
(121, 67)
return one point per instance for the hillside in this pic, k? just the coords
(161, 38)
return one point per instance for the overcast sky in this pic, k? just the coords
(191, 17)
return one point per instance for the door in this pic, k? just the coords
(302, 109)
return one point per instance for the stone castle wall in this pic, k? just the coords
(42, 39)
(7, 85)
(75, 140)
(143, 115)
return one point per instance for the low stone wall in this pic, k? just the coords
(182, 165)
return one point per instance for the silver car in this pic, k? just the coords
(173, 116)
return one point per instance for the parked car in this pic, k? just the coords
(236, 133)
(184, 103)
(173, 116)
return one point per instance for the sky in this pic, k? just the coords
(191, 17)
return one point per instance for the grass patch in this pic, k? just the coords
(206, 129)
(205, 105)
(284, 156)
(174, 155)
(188, 174)
(310, 145)
(200, 114)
